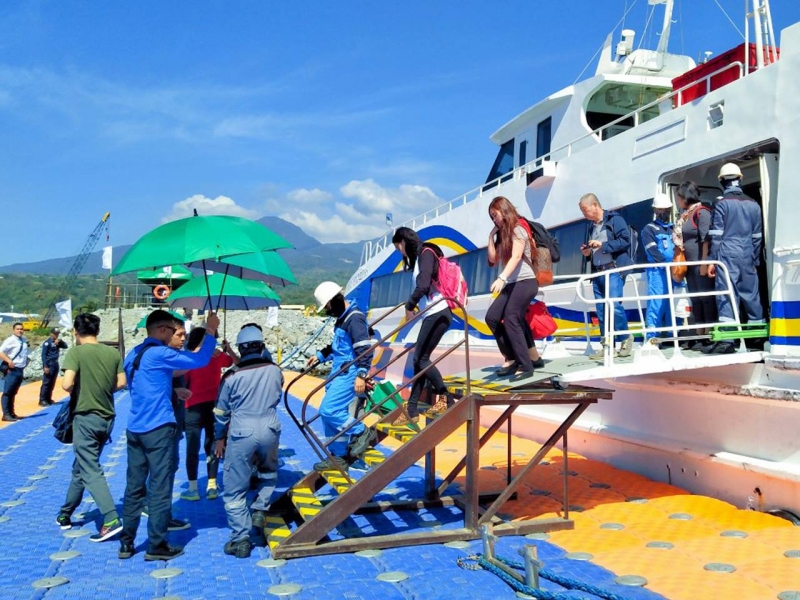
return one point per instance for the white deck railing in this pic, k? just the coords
(374, 247)
(673, 328)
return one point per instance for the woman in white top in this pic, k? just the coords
(515, 287)
(423, 260)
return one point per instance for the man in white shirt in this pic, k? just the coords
(13, 360)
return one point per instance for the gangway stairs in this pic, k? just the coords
(301, 522)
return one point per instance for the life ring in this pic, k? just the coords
(161, 292)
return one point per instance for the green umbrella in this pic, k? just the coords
(226, 292)
(198, 238)
(267, 266)
(143, 322)
(156, 276)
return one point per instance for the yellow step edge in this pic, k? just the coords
(276, 530)
(336, 480)
(399, 432)
(306, 503)
(373, 457)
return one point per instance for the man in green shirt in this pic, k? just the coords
(92, 373)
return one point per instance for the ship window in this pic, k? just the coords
(476, 270)
(523, 152)
(504, 163)
(544, 137)
(390, 290)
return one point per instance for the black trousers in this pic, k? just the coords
(506, 318)
(200, 422)
(150, 455)
(48, 384)
(430, 334)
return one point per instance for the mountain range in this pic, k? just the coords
(307, 255)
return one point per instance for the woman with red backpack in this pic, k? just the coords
(510, 244)
(423, 260)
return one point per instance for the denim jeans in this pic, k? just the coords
(90, 433)
(13, 380)
(616, 283)
(152, 455)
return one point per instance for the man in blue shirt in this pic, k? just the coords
(151, 431)
(51, 348)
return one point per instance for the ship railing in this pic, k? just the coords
(131, 295)
(304, 420)
(374, 247)
(672, 295)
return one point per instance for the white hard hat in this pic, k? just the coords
(662, 201)
(325, 292)
(730, 171)
(249, 334)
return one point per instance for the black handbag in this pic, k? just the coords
(4, 365)
(63, 421)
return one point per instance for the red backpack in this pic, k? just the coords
(450, 281)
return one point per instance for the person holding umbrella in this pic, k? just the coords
(151, 431)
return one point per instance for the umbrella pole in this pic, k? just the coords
(205, 274)
(222, 287)
(225, 317)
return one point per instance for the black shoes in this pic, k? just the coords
(163, 552)
(10, 418)
(259, 519)
(338, 463)
(240, 549)
(44, 403)
(362, 442)
(719, 348)
(64, 522)
(509, 370)
(178, 525)
(126, 550)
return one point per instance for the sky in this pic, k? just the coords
(326, 114)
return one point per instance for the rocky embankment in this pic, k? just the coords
(289, 341)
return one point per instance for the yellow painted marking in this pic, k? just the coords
(373, 457)
(307, 504)
(276, 530)
(401, 433)
(337, 480)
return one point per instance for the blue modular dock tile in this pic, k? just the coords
(31, 536)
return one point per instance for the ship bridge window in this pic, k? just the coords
(616, 100)
(504, 163)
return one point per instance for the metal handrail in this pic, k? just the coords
(376, 245)
(303, 424)
(608, 303)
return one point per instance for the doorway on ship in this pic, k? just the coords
(759, 167)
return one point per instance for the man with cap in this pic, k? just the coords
(351, 338)
(50, 352)
(656, 238)
(247, 433)
(736, 242)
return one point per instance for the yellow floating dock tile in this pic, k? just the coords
(697, 506)
(671, 530)
(627, 513)
(746, 520)
(780, 575)
(531, 507)
(738, 552)
(783, 536)
(596, 541)
(679, 583)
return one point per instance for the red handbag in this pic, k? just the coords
(540, 321)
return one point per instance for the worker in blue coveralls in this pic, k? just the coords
(51, 348)
(247, 433)
(351, 338)
(656, 238)
(736, 241)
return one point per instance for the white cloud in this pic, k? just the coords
(221, 205)
(359, 213)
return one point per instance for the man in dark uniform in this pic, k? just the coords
(51, 348)
(736, 241)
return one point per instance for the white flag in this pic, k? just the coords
(107, 257)
(65, 313)
(272, 316)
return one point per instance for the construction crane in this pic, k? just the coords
(76, 268)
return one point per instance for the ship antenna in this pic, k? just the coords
(664, 41)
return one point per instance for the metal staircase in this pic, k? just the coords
(301, 522)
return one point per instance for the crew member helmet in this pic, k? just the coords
(730, 171)
(325, 292)
(249, 334)
(662, 201)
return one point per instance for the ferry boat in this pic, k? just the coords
(723, 425)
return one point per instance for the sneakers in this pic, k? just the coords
(406, 420)
(190, 495)
(212, 493)
(178, 525)
(240, 549)
(362, 442)
(64, 522)
(107, 531)
(164, 552)
(338, 462)
(259, 518)
(10, 418)
(599, 354)
(626, 348)
(126, 550)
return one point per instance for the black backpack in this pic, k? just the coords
(545, 239)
